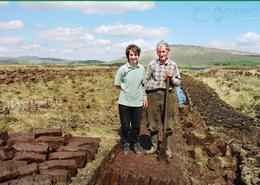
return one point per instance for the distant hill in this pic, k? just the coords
(197, 55)
(88, 62)
(39, 60)
(183, 55)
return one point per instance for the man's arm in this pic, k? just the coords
(176, 79)
(148, 75)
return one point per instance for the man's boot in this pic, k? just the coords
(137, 148)
(154, 140)
(169, 144)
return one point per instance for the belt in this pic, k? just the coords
(158, 90)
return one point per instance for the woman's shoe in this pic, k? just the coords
(126, 148)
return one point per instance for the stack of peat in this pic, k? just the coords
(43, 156)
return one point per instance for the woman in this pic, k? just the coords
(129, 78)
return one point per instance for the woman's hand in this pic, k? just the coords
(145, 103)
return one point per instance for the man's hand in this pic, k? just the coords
(168, 73)
(145, 103)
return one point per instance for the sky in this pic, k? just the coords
(102, 30)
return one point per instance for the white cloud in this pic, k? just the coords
(26, 49)
(105, 52)
(70, 43)
(97, 49)
(102, 49)
(11, 40)
(223, 45)
(3, 4)
(93, 7)
(73, 38)
(144, 45)
(247, 42)
(3, 49)
(17, 46)
(99, 42)
(67, 34)
(132, 30)
(36, 49)
(68, 51)
(250, 38)
(11, 25)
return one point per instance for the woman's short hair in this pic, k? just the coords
(134, 48)
(163, 43)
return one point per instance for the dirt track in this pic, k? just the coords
(144, 169)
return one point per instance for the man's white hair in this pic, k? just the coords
(163, 43)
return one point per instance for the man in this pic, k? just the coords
(155, 83)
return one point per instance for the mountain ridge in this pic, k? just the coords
(44, 60)
(181, 54)
(196, 55)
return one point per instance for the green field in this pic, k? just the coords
(237, 64)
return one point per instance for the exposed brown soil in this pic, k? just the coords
(200, 156)
(186, 167)
(214, 111)
(36, 75)
(144, 169)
